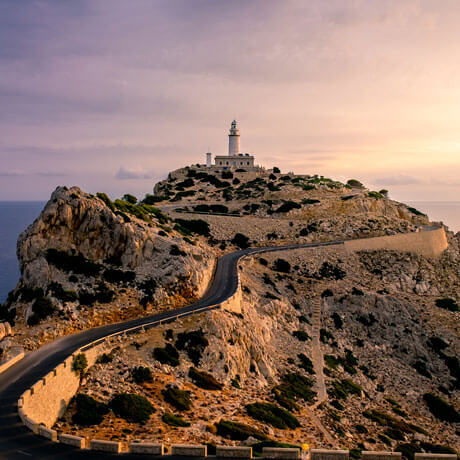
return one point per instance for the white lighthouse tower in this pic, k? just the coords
(234, 140)
(234, 160)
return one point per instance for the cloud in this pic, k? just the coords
(396, 180)
(129, 173)
(37, 174)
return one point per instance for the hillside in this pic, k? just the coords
(389, 330)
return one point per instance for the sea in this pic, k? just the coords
(16, 216)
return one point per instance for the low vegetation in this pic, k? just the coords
(88, 410)
(80, 363)
(174, 420)
(238, 431)
(447, 304)
(132, 407)
(141, 374)
(441, 409)
(204, 380)
(272, 414)
(193, 343)
(178, 398)
(294, 386)
(167, 355)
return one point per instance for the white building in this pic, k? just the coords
(234, 159)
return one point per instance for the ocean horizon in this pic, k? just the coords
(16, 216)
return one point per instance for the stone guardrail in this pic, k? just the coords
(48, 398)
(41, 399)
(7, 364)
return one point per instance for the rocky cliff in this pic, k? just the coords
(87, 261)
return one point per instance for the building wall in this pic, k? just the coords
(236, 161)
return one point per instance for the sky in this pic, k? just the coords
(110, 95)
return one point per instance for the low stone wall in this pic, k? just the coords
(324, 454)
(7, 364)
(372, 455)
(428, 243)
(48, 398)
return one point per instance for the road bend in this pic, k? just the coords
(17, 442)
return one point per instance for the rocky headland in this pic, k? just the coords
(385, 324)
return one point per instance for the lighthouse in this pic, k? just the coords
(235, 160)
(234, 139)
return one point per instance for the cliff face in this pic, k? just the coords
(86, 261)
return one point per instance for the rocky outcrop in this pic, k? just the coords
(86, 261)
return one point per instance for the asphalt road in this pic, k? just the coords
(17, 442)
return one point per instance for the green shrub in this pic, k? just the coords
(175, 251)
(62, 294)
(197, 226)
(301, 335)
(80, 363)
(332, 361)
(131, 407)
(377, 196)
(306, 363)
(441, 409)
(88, 410)
(193, 343)
(310, 201)
(355, 183)
(238, 431)
(387, 420)
(152, 199)
(26, 293)
(104, 358)
(174, 420)
(408, 450)
(281, 265)
(141, 374)
(415, 211)
(325, 335)
(437, 448)
(178, 398)
(303, 319)
(421, 367)
(108, 202)
(72, 263)
(272, 414)
(338, 322)
(113, 275)
(293, 386)
(167, 355)
(361, 429)
(41, 309)
(437, 344)
(327, 293)
(204, 380)
(341, 389)
(331, 271)
(186, 183)
(240, 240)
(395, 434)
(447, 304)
(129, 198)
(288, 206)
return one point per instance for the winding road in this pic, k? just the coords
(17, 442)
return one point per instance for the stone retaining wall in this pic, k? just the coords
(428, 243)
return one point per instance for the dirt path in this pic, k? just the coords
(318, 363)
